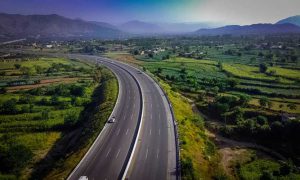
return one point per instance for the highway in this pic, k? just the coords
(141, 143)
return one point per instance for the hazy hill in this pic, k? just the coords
(140, 27)
(251, 29)
(52, 25)
(292, 20)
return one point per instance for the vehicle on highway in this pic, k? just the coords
(112, 120)
(83, 178)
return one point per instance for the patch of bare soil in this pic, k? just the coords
(42, 83)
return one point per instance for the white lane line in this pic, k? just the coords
(134, 106)
(151, 106)
(118, 153)
(108, 152)
(146, 153)
(151, 116)
(159, 132)
(157, 153)
(150, 132)
(118, 132)
(127, 131)
(131, 116)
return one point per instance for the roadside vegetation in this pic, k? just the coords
(47, 106)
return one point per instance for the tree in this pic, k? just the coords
(292, 106)
(262, 120)
(233, 82)
(183, 70)
(159, 70)
(9, 107)
(3, 90)
(263, 68)
(244, 99)
(54, 100)
(45, 115)
(14, 157)
(39, 69)
(17, 66)
(263, 102)
(71, 118)
(77, 90)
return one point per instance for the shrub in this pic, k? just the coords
(9, 107)
(14, 157)
(71, 118)
(77, 90)
(263, 68)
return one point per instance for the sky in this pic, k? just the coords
(118, 11)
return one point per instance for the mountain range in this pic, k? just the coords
(53, 26)
(292, 20)
(22, 26)
(254, 29)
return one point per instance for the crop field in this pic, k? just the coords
(40, 99)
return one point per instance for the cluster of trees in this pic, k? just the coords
(28, 101)
(60, 90)
(14, 157)
(272, 131)
(55, 67)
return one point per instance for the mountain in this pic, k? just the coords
(292, 20)
(15, 25)
(253, 29)
(140, 27)
(185, 27)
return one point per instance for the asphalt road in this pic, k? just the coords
(141, 143)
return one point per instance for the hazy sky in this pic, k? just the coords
(116, 11)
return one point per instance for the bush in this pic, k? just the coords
(45, 115)
(187, 169)
(77, 90)
(14, 157)
(71, 118)
(9, 107)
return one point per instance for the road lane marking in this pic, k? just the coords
(131, 116)
(127, 131)
(118, 153)
(108, 152)
(151, 116)
(146, 153)
(151, 106)
(118, 132)
(157, 153)
(150, 132)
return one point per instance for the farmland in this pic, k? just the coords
(43, 101)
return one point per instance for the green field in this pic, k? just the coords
(41, 100)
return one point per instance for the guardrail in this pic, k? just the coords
(178, 163)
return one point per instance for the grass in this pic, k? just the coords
(251, 72)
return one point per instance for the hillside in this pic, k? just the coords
(15, 25)
(253, 29)
(292, 20)
(140, 27)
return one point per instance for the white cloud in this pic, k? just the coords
(242, 11)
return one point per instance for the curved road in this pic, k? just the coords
(141, 143)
